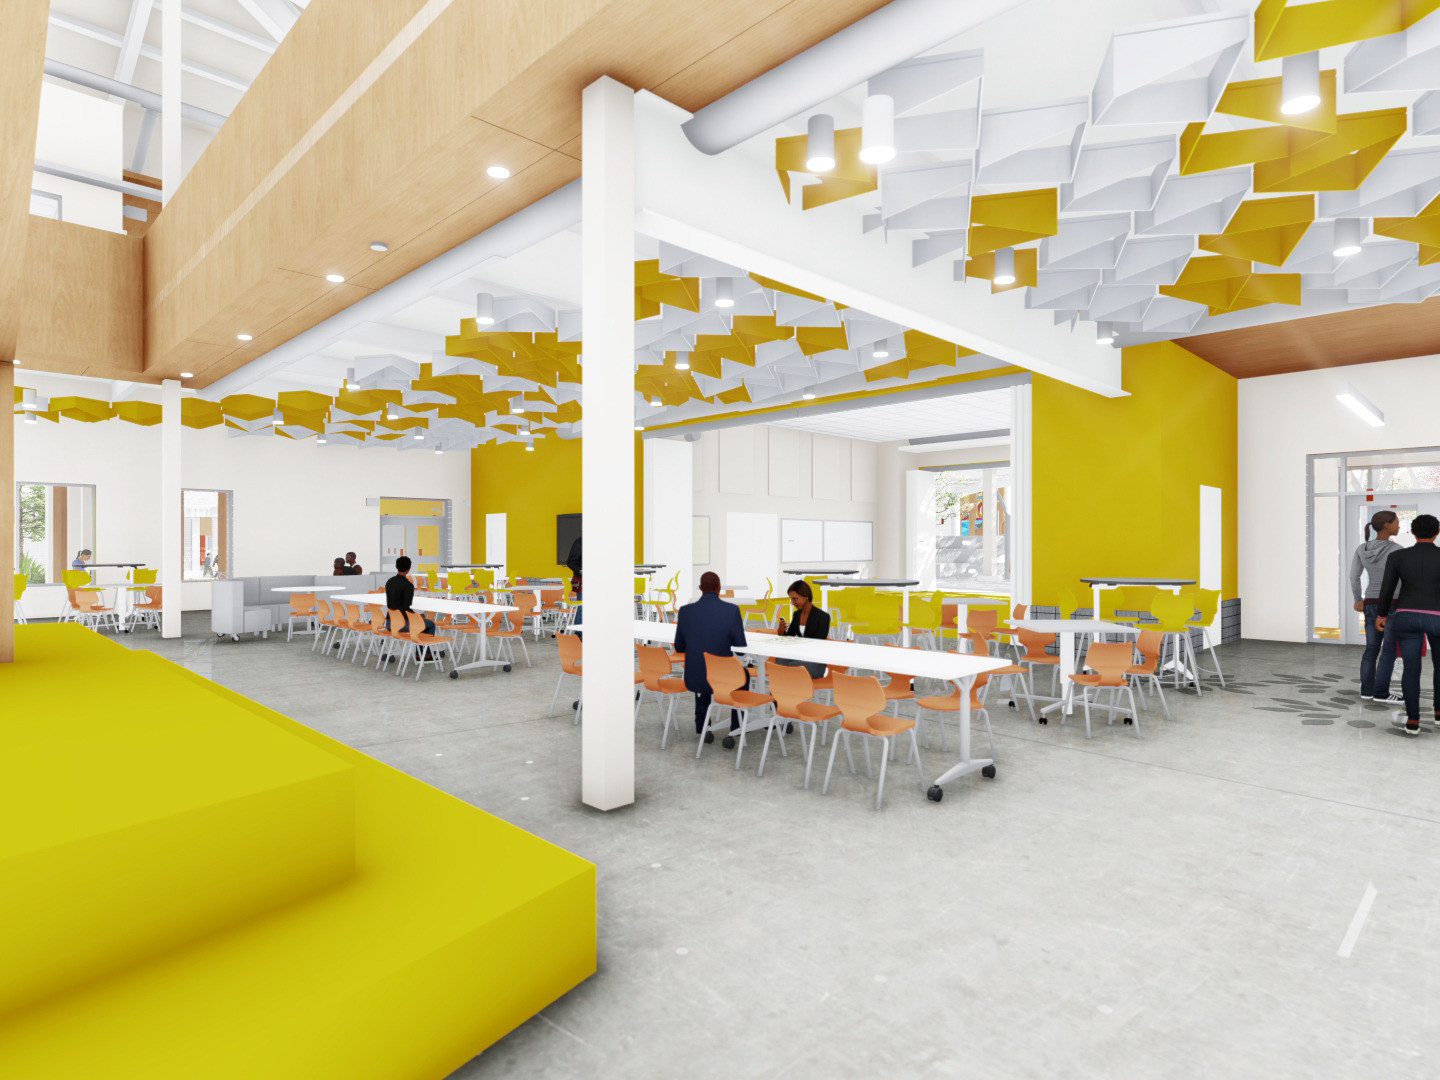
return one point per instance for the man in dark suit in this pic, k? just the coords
(709, 625)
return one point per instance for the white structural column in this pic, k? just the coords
(607, 295)
(169, 101)
(171, 537)
(989, 520)
(1019, 527)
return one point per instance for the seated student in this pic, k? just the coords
(809, 621)
(400, 594)
(340, 570)
(351, 566)
(81, 558)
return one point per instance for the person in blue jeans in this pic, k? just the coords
(1369, 561)
(1416, 573)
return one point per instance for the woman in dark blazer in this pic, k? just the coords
(809, 621)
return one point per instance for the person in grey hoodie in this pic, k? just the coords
(1378, 660)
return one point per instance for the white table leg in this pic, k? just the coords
(966, 764)
(1066, 639)
(1095, 600)
(905, 616)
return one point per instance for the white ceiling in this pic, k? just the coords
(987, 410)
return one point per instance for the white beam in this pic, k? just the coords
(170, 159)
(274, 16)
(224, 29)
(730, 207)
(171, 539)
(149, 52)
(607, 745)
(130, 44)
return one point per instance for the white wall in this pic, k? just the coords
(296, 505)
(669, 468)
(786, 472)
(83, 132)
(1285, 417)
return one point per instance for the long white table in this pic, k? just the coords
(440, 606)
(902, 584)
(1066, 629)
(959, 669)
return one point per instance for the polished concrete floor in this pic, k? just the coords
(1192, 903)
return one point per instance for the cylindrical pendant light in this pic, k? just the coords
(1104, 334)
(1004, 267)
(1299, 83)
(820, 143)
(682, 361)
(27, 398)
(1349, 233)
(484, 309)
(31, 418)
(350, 383)
(881, 349)
(877, 129)
(724, 292)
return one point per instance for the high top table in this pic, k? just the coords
(819, 573)
(441, 606)
(123, 603)
(1098, 583)
(959, 669)
(872, 583)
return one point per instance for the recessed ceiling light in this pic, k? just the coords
(379, 245)
(17, 363)
(187, 374)
(243, 337)
(335, 279)
(498, 172)
(820, 143)
(1299, 83)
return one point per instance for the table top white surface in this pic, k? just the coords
(429, 603)
(925, 663)
(868, 583)
(1137, 581)
(308, 588)
(1074, 626)
(827, 573)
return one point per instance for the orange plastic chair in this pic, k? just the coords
(982, 624)
(726, 677)
(571, 651)
(416, 636)
(861, 700)
(655, 677)
(793, 689)
(379, 638)
(147, 612)
(1110, 663)
(1150, 643)
(328, 618)
(951, 704)
(90, 613)
(302, 606)
(511, 632)
(1034, 645)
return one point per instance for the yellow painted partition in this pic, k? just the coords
(532, 487)
(426, 930)
(1115, 482)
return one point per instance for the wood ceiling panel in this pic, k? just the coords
(82, 310)
(354, 132)
(1362, 336)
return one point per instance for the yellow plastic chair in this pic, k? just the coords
(660, 606)
(459, 583)
(926, 615)
(759, 609)
(21, 581)
(1207, 603)
(1068, 604)
(1173, 614)
(877, 615)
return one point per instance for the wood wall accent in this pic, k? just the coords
(1361, 336)
(133, 226)
(25, 23)
(311, 166)
(82, 310)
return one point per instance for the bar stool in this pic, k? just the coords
(1207, 603)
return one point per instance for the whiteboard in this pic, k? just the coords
(849, 541)
(801, 540)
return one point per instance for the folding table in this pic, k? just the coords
(439, 606)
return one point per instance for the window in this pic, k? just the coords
(207, 518)
(55, 523)
(972, 525)
(44, 204)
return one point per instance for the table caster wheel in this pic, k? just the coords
(728, 742)
(936, 793)
(988, 771)
(1011, 704)
(1128, 720)
(454, 674)
(789, 729)
(505, 668)
(1044, 720)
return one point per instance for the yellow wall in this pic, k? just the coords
(530, 488)
(1116, 481)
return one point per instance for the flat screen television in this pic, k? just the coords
(567, 531)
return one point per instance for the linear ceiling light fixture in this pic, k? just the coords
(1360, 405)
(877, 129)
(1004, 267)
(484, 309)
(1104, 334)
(724, 292)
(1299, 83)
(1349, 233)
(820, 143)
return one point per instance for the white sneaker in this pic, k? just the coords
(1393, 699)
